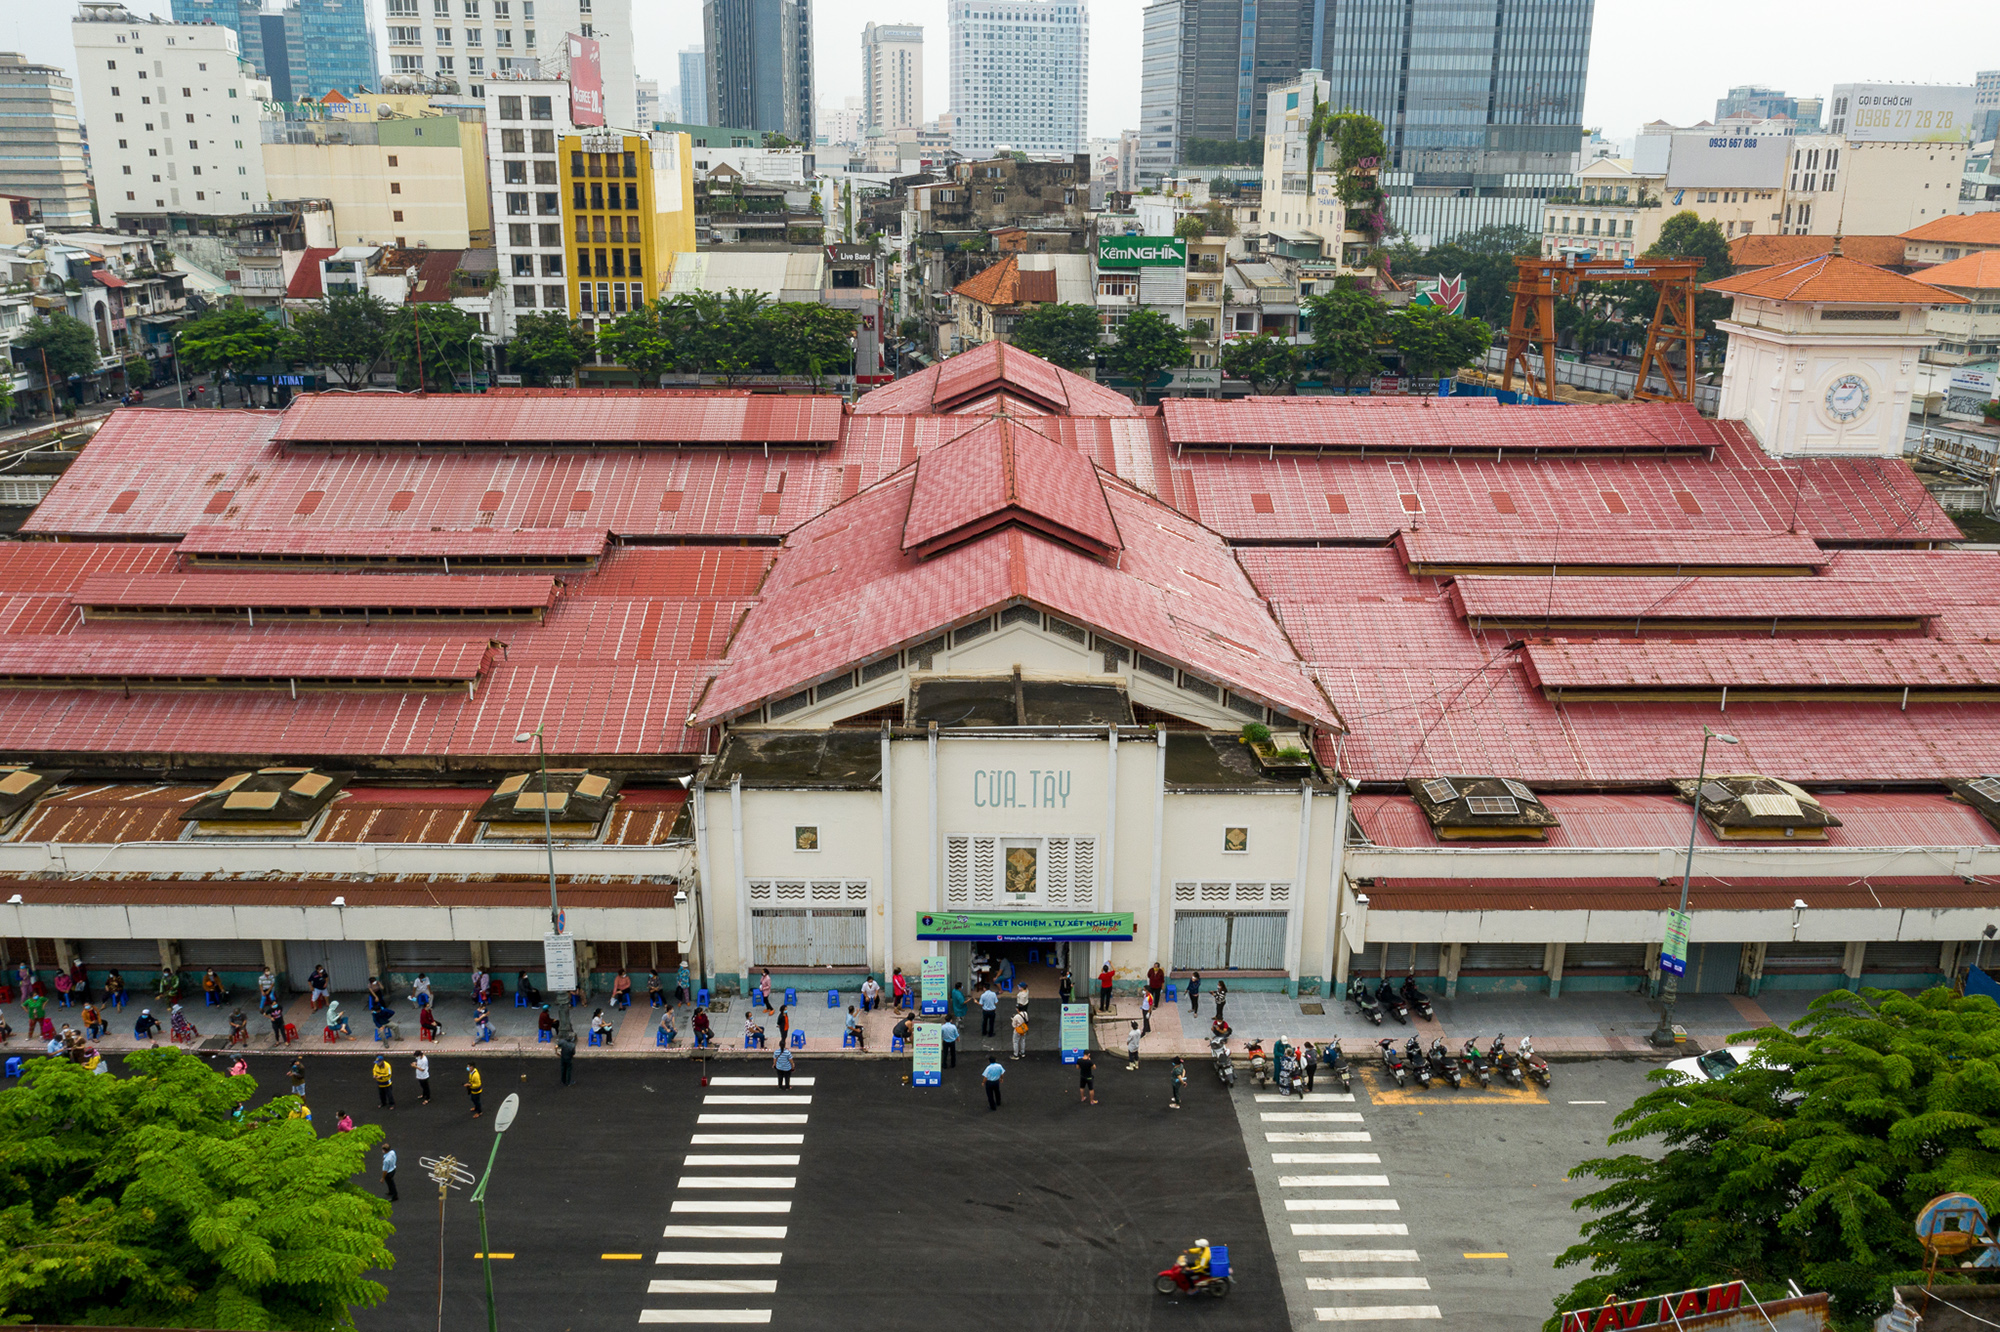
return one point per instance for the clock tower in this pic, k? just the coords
(1823, 354)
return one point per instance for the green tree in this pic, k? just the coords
(6, 400)
(547, 346)
(740, 334)
(1434, 344)
(1484, 257)
(346, 333)
(1687, 236)
(1358, 150)
(1148, 343)
(138, 372)
(809, 339)
(1068, 334)
(1193, 226)
(139, 1200)
(437, 336)
(67, 343)
(232, 338)
(1348, 325)
(1265, 361)
(642, 341)
(1810, 1162)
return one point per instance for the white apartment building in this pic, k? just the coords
(172, 114)
(892, 77)
(1019, 74)
(1291, 212)
(525, 122)
(458, 44)
(1869, 189)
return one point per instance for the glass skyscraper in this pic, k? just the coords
(307, 48)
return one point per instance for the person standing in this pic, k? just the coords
(1178, 1080)
(474, 1085)
(899, 987)
(948, 1040)
(384, 1076)
(267, 985)
(296, 1076)
(275, 1013)
(1132, 1048)
(1020, 1032)
(994, 1072)
(1156, 982)
(565, 1053)
(421, 1066)
(764, 989)
(1086, 1078)
(389, 1171)
(683, 985)
(1194, 995)
(1021, 1001)
(784, 1023)
(1106, 978)
(781, 1062)
(1221, 998)
(1311, 1057)
(1146, 1012)
(1066, 989)
(954, 1004)
(989, 1005)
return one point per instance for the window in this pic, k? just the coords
(515, 173)
(392, 156)
(412, 65)
(549, 204)
(541, 108)
(524, 265)
(395, 187)
(510, 108)
(472, 37)
(517, 205)
(445, 65)
(545, 173)
(553, 298)
(544, 141)
(551, 235)
(552, 265)
(398, 214)
(406, 37)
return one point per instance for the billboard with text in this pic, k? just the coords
(586, 81)
(1902, 112)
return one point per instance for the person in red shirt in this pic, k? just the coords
(1156, 981)
(1104, 982)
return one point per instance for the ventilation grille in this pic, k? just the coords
(1241, 893)
(966, 633)
(1151, 667)
(838, 685)
(1064, 629)
(875, 670)
(783, 706)
(1020, 615)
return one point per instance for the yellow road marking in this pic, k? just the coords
(1485, 1255)
(627, 1257)
(1383, 1091)
(492, 1255)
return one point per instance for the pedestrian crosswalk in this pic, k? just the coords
(731, 1184)
(1362, 1273)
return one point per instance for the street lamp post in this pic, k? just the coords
(508, 1109)
(1663, 1035)
(174, 341)
(549, 838)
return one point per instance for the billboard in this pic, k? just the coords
(1728, 161)
(1141, 251)
(1902, 112)
(586, 81)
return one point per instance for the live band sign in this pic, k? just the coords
(1655, 1309)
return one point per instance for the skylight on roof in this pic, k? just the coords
(1771, 805)
(1440, 790)
(1986, 786)
(1492, 805)
(1520, 791)
(1717, 793)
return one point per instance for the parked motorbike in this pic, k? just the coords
(1386, 995)
(1420, 1067)
(1337, 1064)
(1417, 999)
(1507, 1061)
(1443, 1066)
(1476, 1067)
(1538, 1067)
(1392, 1060)
(1366, 1003)
(1260, 1067)
(1225, 1067)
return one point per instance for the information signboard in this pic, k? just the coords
(933, 981)
(1075, 1031)
(559, 962)
(1674, 952)
(927, 1056)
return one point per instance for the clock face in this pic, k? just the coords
(1847, 398)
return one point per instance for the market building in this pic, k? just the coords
(968, 665)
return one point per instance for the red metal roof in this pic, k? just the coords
(1466, 425)
(318, 591)
(383, 418)
(1893, 663)
(1639, 599)
(334, 542)
(952, 384)
(1434, 548)
(1649, 895)
(305, 284)
(231, 655)
(1003, 472)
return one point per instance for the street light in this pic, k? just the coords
(549, 837)
(1664, 1033)
(508, 1109)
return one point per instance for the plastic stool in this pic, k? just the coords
(207, 1000)
(833, 998)
(660, 1039)
(542, 1036)
(291, 1032)
(328, 1036)
(6, 994)
(118, 999)
(597, 1038)
(798, 1040)
(14, 1066)
(1034, 955)
(896, 1044)
(1173, 994)
(656, 1000)
(426, 1033)
(701, 997)
(520, 1000)
(791, 995)
(379, 1037)
(574, 998)
(847, 1041)
(1006, 985)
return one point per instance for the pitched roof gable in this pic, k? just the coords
(1835, 278)
(1001, 473)
(1978, 271)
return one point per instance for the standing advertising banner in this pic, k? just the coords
(559, 962)
(927, 1059)
(586, 81)
(1674, 952)
(931, 1002)
(1075, 1031)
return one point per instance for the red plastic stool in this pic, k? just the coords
(291, 1032)
(327, 1036)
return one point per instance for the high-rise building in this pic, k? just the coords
(648, 103)
(892, 77)
(1757, 102)
(1019, 75)
(306, 48)
(1207, 68)
(694, 86)
(41, 147)
(644, 182)
(173, 114)
(456, 45)
(1481, 103)
(760, 65)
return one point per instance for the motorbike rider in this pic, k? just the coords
(1195, 1262)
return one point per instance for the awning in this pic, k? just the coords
(108, 278)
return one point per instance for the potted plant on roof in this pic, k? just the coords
(1278, 753)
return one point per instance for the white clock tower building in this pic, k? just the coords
(1823, 354)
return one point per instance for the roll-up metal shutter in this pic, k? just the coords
(346, 963)
(1804, 956)
(427, 955)
(809, 938)
(513, 955)
(125, 954)
(1367, 962)
(1631, 959)
(1201, 941)
(1502, 957)
(1257, 941)
(1882, 959)
(222, 954)
(1405, 958)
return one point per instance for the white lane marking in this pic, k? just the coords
(752, 1119)
(1318, 1137)
(733, 1205)
(1333, 1205)
(704, 1315)
(746, 1139)
(1325, 1158)
(750, 1159)
(775, 1099)
(1377, 1313)
(1309, 1096)
(737, 1182)
(1303, 1229)
(1586, 1103)
(724, 1232)
(729, 1258)
(756, 1082)
(1358, 1255)
(1333, 1181)
(1367, 1283)
(711, 1286)
(1309, 1117)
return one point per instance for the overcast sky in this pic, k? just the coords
(1646, 62)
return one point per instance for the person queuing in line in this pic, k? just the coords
(420, 993)
(1086, 1078)
(989, 1005)
(764, 989)
(421, 1066)
(871, 995)
(482, 986)
(1156, 982)
(782, 1064)
(667, 1024)
(212, 989)
(482, 1025)
(93, 1021)
(427, 1023)
(1132, 1048)
(855, 1032)
(600, 1027)
(955, 1002)
(704, 1034)
(114, 990)
(1020, 1032)
(902, 1030)
(295, 1076)
(79, 980)
(36, 1007)
(753, 1033)
(524, 986)
(655, 996)
(474, 1086)
(147, 1028)
(169, 987)
(385, 1091)
(899, 990)
(784, 1023)
(683, 985)
(239, 1027)
(1066, 988)
(267, 986)
(1146, 1011)
(1176, 1079)
(566, 1057)
(1221, 998)
(6, 1029)
(336, 1019)
(1194, 994)
(1021, 1000)
(180, 1028)
(389, 1171)
(274, 1013)
(621, 990)
(62, 989)
(545, 1021)
(994, 1072)
(948, 1042)
(1106, 978)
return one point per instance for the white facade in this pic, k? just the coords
(459, 44)
(1287, 204)
(172, 114)
(1020, 71)
(1835, 186)
(892, 77)
(527, 217)
(648, 104)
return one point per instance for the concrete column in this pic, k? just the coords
(1750, 969)
(1951, 957)
(375, 959)
(745, 944)
(1857, 955)
(586, 962)
(482, 955)
(1552, 962)
(1454, 957)
(274, 958)
(887, 905)
(170, 955)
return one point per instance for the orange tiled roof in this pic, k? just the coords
(996, 284)
(1764, 251)
(1979, 270)
(1833, 277)
(1966, 228)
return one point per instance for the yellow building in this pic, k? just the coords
(629, 205)
(413, 177)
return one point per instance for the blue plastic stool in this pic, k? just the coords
(542, 1035)
(656, 1001)
(597, 1038)
(847, 1041)
(833, 998)
(520, 1000)
(798, 1040)
(207, 1000)
(1006, 985)
(791, 995)
(481, 1037)
(118, 999)
(896, 1044)
(701, 998)
(574, 998)
(1173, 994)
(14, 1066)
(379, 1037)
(1034, 955)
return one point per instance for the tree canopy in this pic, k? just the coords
(1810, 1162)
(642, 340)
(1686, 236)
(1348, 327)
(1484, 256)
(1265, 361)
(140, 1201)
(67, 341)
(1435, 344)
(439, 337)
(1148, 343)
(1067, 334)
(547, 346)
(346, 332)
(232, 337)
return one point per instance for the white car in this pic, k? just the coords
(1714, 1064)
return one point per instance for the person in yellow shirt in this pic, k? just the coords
(473, 1086)
(384, 1092)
